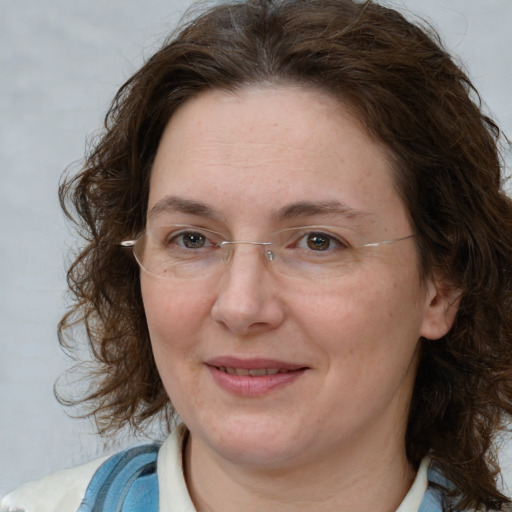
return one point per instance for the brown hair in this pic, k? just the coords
(408, 93)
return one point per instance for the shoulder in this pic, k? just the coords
(129, 473)
(60, 491)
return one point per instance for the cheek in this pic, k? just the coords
(366, 324)
(369, 348)
(174, 315)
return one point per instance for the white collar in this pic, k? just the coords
(174, 496)
(173, 492)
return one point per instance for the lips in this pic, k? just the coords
(253, 377)
(255, 372)
(228, 364)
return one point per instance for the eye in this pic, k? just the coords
(320, 241)
(189, 240)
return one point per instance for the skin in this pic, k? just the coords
(332, 438)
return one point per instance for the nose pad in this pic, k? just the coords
(229, 246)
(247, 299)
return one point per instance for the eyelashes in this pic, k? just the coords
(296, 238)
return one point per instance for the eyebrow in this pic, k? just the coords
(309, 208)
(290, 211)
(182, 205)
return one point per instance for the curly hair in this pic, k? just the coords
(408, 93)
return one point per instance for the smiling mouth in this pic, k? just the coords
(253, 377)
(255, 372)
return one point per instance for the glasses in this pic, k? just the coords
(190, 252)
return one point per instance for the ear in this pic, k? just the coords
(441, 305)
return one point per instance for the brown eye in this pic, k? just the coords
(318, 241)
(192, 240)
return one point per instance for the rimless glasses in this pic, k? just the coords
(190, 252)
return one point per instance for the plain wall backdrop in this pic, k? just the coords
(61, 62)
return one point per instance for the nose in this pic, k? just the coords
(248, 299)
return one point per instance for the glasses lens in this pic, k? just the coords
(179, 252)
(190, 252)
(310, 253)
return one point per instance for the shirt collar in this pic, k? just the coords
(174, 496)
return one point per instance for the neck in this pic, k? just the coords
(363, 479)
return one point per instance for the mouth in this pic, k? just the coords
(253, 377)
(255, 372)
(255, 367)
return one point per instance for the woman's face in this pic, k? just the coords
(247, 165)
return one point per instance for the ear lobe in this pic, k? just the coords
(441, 305)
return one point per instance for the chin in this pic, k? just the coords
(260, 443)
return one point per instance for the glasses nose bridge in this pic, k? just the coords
(228, 247)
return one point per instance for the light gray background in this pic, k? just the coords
(61, 61)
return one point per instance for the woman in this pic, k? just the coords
(321, 282)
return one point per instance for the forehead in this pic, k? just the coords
(269, 147)
(282, 118)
